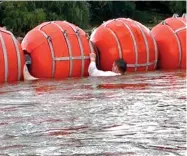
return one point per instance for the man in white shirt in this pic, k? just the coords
(119, 67)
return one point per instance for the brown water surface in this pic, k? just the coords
(142, 114)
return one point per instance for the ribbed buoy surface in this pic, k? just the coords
(170, 36)
(127, 39)
(11, 57)
(58, 49)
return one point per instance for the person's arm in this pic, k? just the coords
(27, 75)
(93, 71)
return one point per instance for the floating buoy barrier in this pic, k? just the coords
(58, 49)
(11, 57)
(170, 36)
(127, 39)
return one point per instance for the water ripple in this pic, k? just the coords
(138, 114)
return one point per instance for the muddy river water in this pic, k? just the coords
(141, 114)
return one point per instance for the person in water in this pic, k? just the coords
(119, 67)
(26, 73)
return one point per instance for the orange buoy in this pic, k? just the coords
(127, 39)
(58, 49)
(11, 57)
(170, 36)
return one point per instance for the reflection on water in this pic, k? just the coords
(132, 115)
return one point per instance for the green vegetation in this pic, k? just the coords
(22, 16)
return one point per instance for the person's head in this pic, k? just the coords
(20, 39)
(119, 66)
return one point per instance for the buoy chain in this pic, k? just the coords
(175, 15)
(141, 65)
(5, 56)
(3, 30)
(163, 22)
(145, 41)
(71, 58)
(184, 15)
(77, 31)
(65, 33)
(17, 54)
(178, 43)
(49, 38)
(155, 47)
(180, 29)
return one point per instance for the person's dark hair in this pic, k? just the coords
(122, 65)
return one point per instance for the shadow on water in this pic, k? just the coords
(137, 114)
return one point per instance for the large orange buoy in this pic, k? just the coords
(127, 39)
(11, 57)
(58, 49)
(170, 36)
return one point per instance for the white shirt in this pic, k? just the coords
(93, 71)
